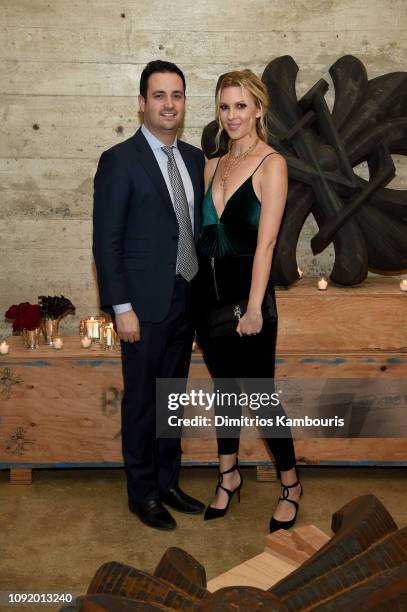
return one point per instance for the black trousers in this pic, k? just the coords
(164, 351)
(235, 357)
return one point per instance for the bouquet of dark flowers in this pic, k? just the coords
(55, 307)
(24, 316)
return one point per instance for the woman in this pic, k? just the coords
(246, 191)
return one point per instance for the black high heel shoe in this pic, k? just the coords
(213, 513)
(275, 524)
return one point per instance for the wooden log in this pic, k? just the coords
(261, 571)
(21, 476)
(297, 544)
(183, 571)
(387, 591)
(366, 542)
(363, 566)
(241, 599)
(118, 579)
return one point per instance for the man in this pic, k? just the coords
(147, 195)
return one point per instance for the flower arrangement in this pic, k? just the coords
(24, 316)
(55, 307)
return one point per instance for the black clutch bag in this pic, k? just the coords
(223, 320)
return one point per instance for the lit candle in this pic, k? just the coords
(322, 284)
(109, 334)
(86, 341)
(4, 348)
(403, 285)
(90, 326)
(58, 343)
(300, 273)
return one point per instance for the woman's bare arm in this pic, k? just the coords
(273, 186)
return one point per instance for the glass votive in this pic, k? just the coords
(322, 284)
(92, 327)
(58, 343)
(109, 339)
(4, 348)
(86, 342)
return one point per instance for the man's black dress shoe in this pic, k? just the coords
(177, 499)
(153, 514)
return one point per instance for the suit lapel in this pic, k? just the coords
(150, 165)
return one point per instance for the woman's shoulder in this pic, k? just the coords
(271, 159)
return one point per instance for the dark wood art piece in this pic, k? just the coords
(362, 567)
(365, 220)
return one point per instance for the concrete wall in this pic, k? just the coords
(69, 80)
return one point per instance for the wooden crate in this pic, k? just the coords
(62, 408)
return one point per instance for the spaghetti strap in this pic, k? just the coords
(213, 175)
(272, 153)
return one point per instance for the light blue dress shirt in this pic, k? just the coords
(162, 160)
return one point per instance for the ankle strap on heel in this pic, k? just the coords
(232, 469)
(286, 492)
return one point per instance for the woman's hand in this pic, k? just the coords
(250, 323)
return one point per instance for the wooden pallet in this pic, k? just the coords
(62, 408)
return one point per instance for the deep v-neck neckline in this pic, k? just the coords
(249, 178)
(219, 216)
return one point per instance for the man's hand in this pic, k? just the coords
(128, 326)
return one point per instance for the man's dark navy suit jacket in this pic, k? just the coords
(135, 229)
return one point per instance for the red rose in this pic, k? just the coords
(23, 308)
(25, 315)
(32, 317)
(11, 312)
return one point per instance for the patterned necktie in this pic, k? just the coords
(187, 263)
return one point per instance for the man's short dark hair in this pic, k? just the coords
(158, 66)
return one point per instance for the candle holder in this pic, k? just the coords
(50, 330)
(4, 348)
(30, 338)
(109, 339)
(58, 343)
(91, 327)
(322, 284)
(86, 342)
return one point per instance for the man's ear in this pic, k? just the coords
(141, 103)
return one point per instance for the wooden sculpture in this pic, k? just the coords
(365, 220)
(362, 567)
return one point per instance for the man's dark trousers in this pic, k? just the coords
(164, 351)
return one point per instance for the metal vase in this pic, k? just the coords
(50, 330)
(31, 337)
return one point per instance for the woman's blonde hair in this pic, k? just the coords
(245, 79)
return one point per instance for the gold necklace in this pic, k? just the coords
(232, 161)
